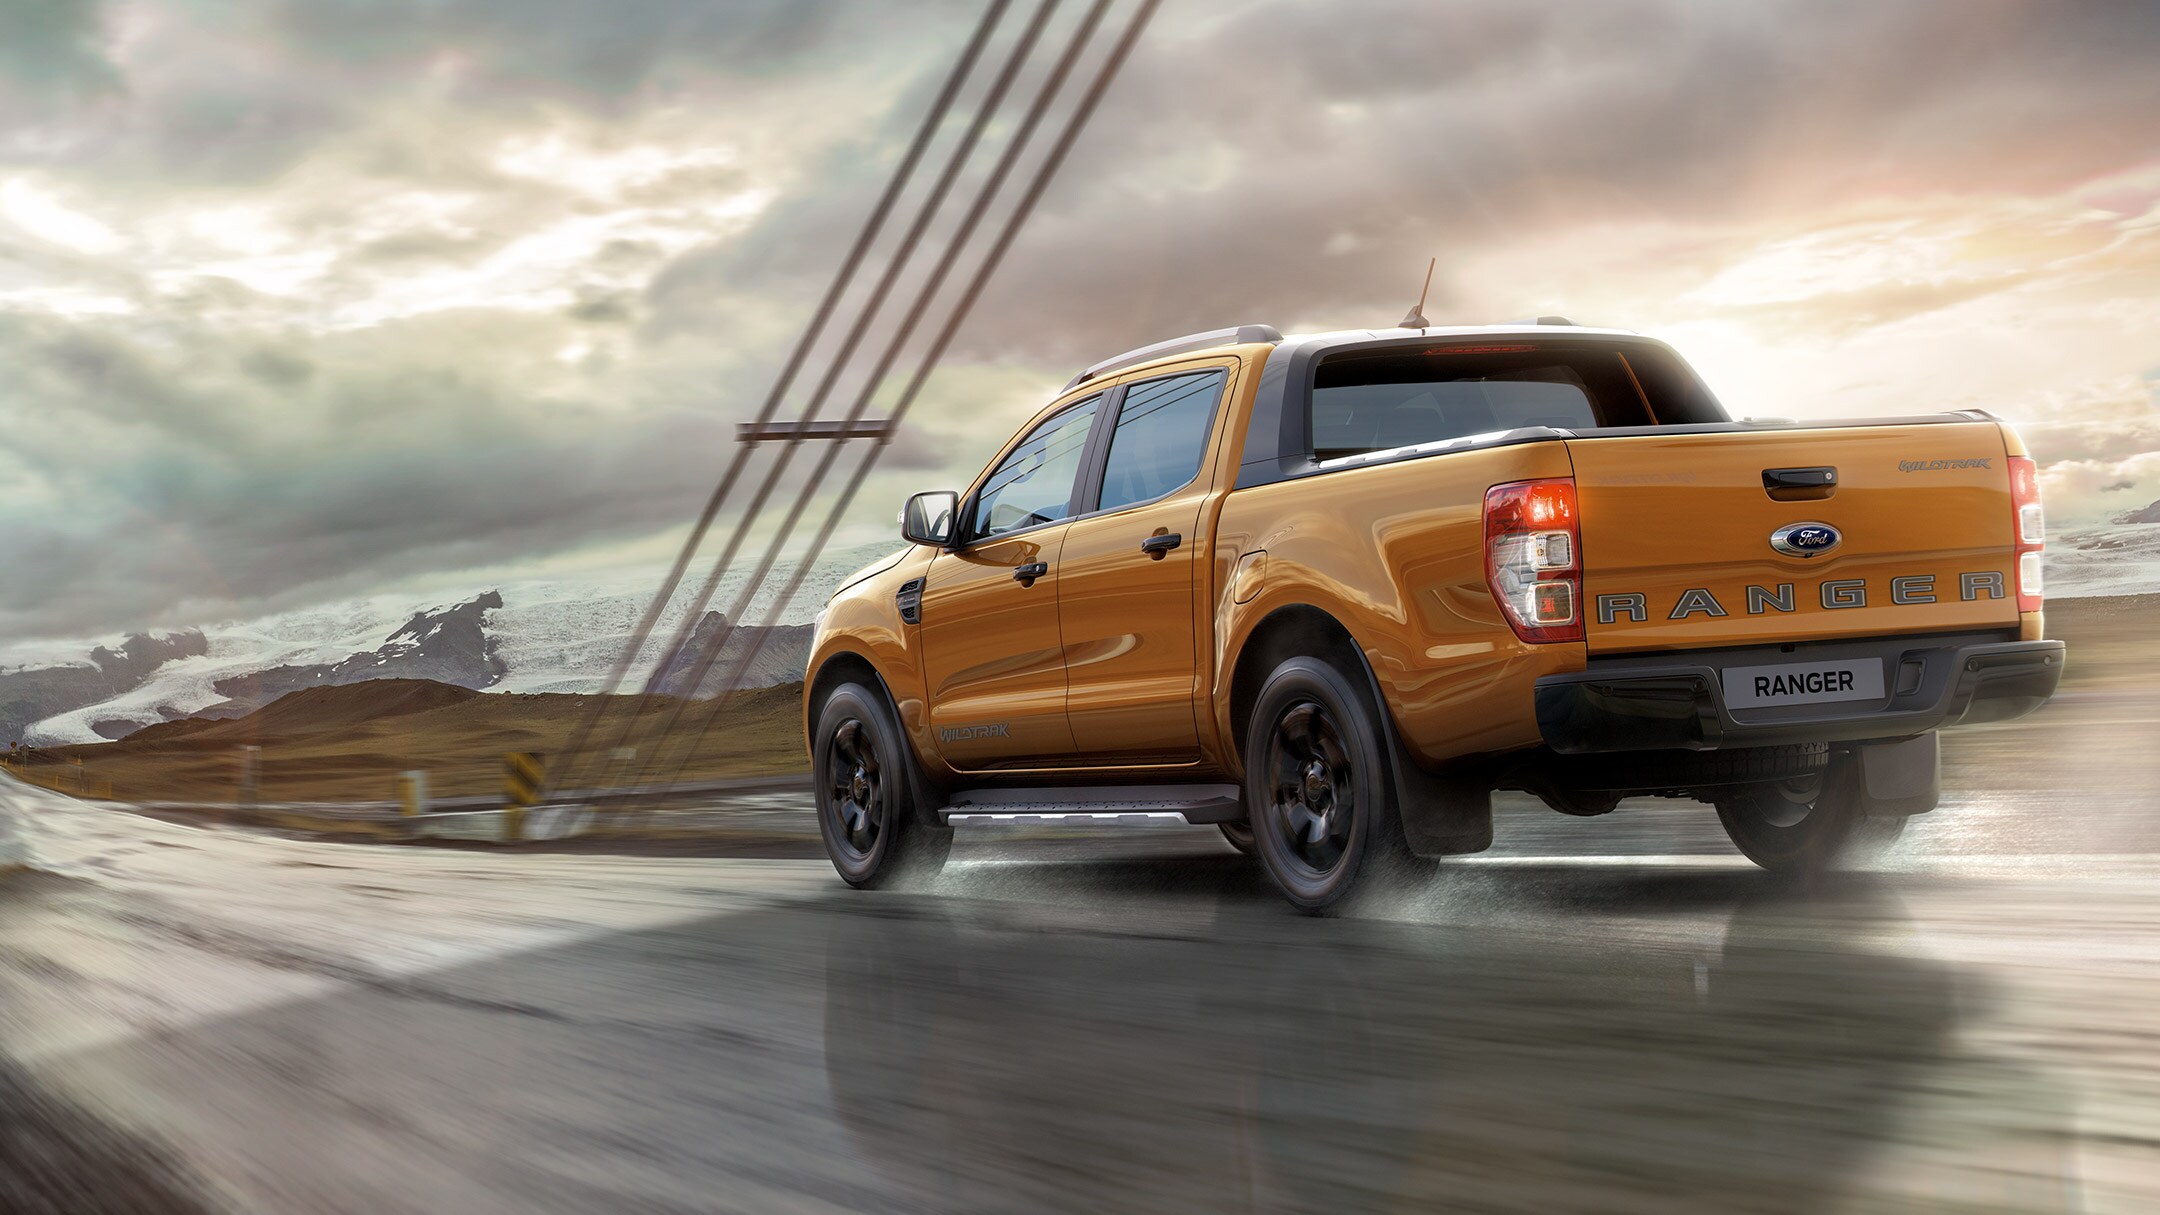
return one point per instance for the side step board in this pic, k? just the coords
(1193, 803)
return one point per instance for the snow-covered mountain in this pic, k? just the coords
(535, 635)
(35, 681)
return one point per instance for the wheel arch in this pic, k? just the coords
(851, 666)
(1292, 631)
(840, 666)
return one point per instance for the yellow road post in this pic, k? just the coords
(523, 774)
(412, 793)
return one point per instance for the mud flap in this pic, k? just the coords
(1441, 815)
(1901, 778)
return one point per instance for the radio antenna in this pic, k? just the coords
(1416, 318)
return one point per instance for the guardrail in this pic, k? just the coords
(65, 777)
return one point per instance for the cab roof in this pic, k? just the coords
(1215, 341)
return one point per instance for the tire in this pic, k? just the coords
(1239, 835)
(865, 800)
(1871, 837)
(1317, 787)
(1805, 824)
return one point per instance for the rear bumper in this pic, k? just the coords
(1679, 704)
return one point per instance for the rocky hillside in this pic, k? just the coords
(349, 742)
(778, 658)
(447, 645)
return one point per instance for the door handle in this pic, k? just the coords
(1799, 484)
(1157, 546)
(1026, 575)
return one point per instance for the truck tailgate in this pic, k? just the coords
(1677, 535)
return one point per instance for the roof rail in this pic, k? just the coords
(1192, 341)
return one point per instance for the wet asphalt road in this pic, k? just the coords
(1611, 1014)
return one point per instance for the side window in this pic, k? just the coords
(1162, 432)
(1034, 484)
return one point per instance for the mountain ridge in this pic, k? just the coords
(534, 635)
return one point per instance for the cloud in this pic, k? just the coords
(53, 55)
(1301, 162)
(216, 472)
(588, 49)
(2074, 488)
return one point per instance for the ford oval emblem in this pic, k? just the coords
(1805, 539)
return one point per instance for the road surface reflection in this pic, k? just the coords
(1264, 1063)
(1092, 1032)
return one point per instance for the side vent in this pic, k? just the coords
(910, 601)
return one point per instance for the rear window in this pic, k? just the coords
(1364, 401)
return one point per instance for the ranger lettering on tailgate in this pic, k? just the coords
(1914, 590)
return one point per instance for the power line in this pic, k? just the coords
(872, 226)
(867, 317)
(985, 195)
(1014, 223)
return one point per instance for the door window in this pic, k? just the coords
(1034, 484)
(1162, 432)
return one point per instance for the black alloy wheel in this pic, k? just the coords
(1316, 787)
(866, 807)
(854, 778)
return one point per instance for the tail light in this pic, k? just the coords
(1533, 558)
(2031, 530)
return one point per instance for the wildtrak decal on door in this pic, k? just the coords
(995, 729)
(1833, 594)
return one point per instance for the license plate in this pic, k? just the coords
(1803, 683)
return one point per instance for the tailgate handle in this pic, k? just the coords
(1799, 484)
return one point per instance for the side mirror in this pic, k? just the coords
(928, 517)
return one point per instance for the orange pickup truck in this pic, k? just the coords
(1331, 591)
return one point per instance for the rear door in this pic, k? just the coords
(990, 638)
(1692, 540)
(1126, 580)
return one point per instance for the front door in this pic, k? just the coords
(990, 640)
(1126, 586)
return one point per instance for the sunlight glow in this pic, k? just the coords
(42, 215)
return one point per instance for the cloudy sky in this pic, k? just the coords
(306, 299)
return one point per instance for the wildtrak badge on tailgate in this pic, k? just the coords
(1834, 593)
(1944, 465)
